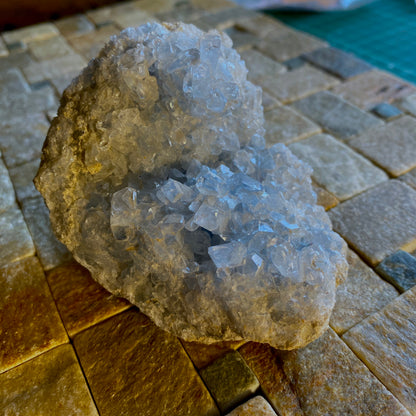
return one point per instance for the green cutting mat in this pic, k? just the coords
(382, 33)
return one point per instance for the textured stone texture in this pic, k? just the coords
(7, 196)
(324, 198)
(336, 167)
(373, 87)
(31, 33)
(399, 269)
(29, 321)
(359, 296)
(50, 48)
(338, 62)
(393, 147)
(81, 301)
(50, 251)
(284, 125)
(335, 115)
(21, 139)
(375, 227)
(74, 26)
(229, 380)
(264, 361)
(121, 355)
(22, 177)
(203, 354)
(409, 178)
(269, 102)
(386, 111)
(223, 19)
(15, 240)
(330, 380)
(393, 361)
(175, 203)
(299, 83)
(261, 67)
(242, 40)
(3, 48)
(408, 104)
(51, 384)
(256, 406)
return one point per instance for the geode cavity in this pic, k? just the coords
(158, 180)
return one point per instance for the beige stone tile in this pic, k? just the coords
(385, 342)
(266, 365)
(15, 60)
(269, 102)
(229, 380)
(29, 321)
(373, 87)
(51, 252)
(284, 125)
(21, 139)
(298, 83)
(50, 48)
(7, 195)
(155, 6)
(408, 104)
(288, 43)
(81, 301)
(74, 26)
(3, 49)
(15, 240)
(329, 379)
(134, 368)
(51, 384)
(54, 68)
(262, 25)
(22, 178)
(260, 67)
(90, 44)
(324, 198)
(393, 147)
(336, 167)
(242, 40)
(204, 354)
(31, 33)
(257, 406)
(361, 294)
(213, 5)
(62, 82)
(379, 221)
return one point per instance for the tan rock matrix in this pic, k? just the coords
(158, 180)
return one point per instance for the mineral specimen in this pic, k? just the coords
(158, 179)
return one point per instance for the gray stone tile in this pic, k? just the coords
(229, 380)
(62, 82)
(299, 83)
(31, 33)
(409, 178)
(212, 5)
(262, 25)
(338, 62)
(242, 40)
(294, 63)
(284, 125)
(50, 251)
(399, 269)
(3, 49)
(373, 87)
(182, 12)
(12, 82)
(324, 198)
(51, 384)
(386, 111)
(7, 195)
(378, 222)
(288, 43)
(269, 102)
(408, 104)
(50, 48)
(260, 66)
(336, 167)
(74, 26)
(330, 380)
(22, 178)
(336, 115)
(393, 146)
(15, 240)
(359, 296)
(15, 60)
(30, 323)
(21, 139)
(385, 342)
(53, 68)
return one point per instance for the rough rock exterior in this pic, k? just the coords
(159, 182)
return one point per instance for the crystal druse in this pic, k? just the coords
(158, 179)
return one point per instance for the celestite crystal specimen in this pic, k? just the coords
(158, 180)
